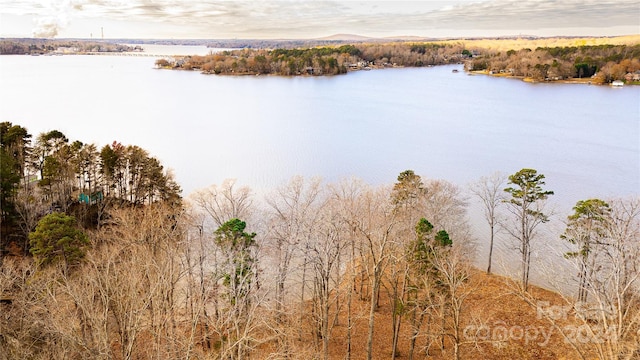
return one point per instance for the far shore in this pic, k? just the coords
(584, 81)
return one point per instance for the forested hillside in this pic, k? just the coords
(603, 62)
(102, 259)
(54, 174)
(327, 60)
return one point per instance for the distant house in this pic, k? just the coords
(90, 199)
(67, 50)
(359, 65)
(617, 83)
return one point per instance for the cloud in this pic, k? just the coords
(319, 18)
(53, 17)
(46, 27)
(533, 14)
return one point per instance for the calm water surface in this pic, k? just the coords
(371, 125)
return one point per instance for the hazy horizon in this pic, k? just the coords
(194, 19)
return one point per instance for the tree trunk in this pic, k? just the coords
(397, 314)
(304, 274)
(491, 248)
(415, 329)
(375, 289)
(525, 248)
(395, 323)
(352, 288)
(325, 323)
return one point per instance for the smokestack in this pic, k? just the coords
(102, 31)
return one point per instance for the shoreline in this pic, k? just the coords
(581, 81)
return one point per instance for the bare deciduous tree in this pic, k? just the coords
(376, 227)
(614, 288)
(606, 326)
(225, 202)
(325, 255)
(294, 210)
(346, 194)
(490, 191)
(454, 270)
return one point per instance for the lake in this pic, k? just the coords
(263, 130)
(368, 124)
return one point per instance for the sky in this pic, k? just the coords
(198, 19)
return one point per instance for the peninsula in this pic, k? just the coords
(589, 60)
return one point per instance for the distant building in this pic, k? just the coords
(67, 50)
(632, 76)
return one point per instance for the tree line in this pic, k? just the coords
(225, 274)
(324, 60)
(53, 174)
(46, 46)
(602, 63)
(605, 63)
